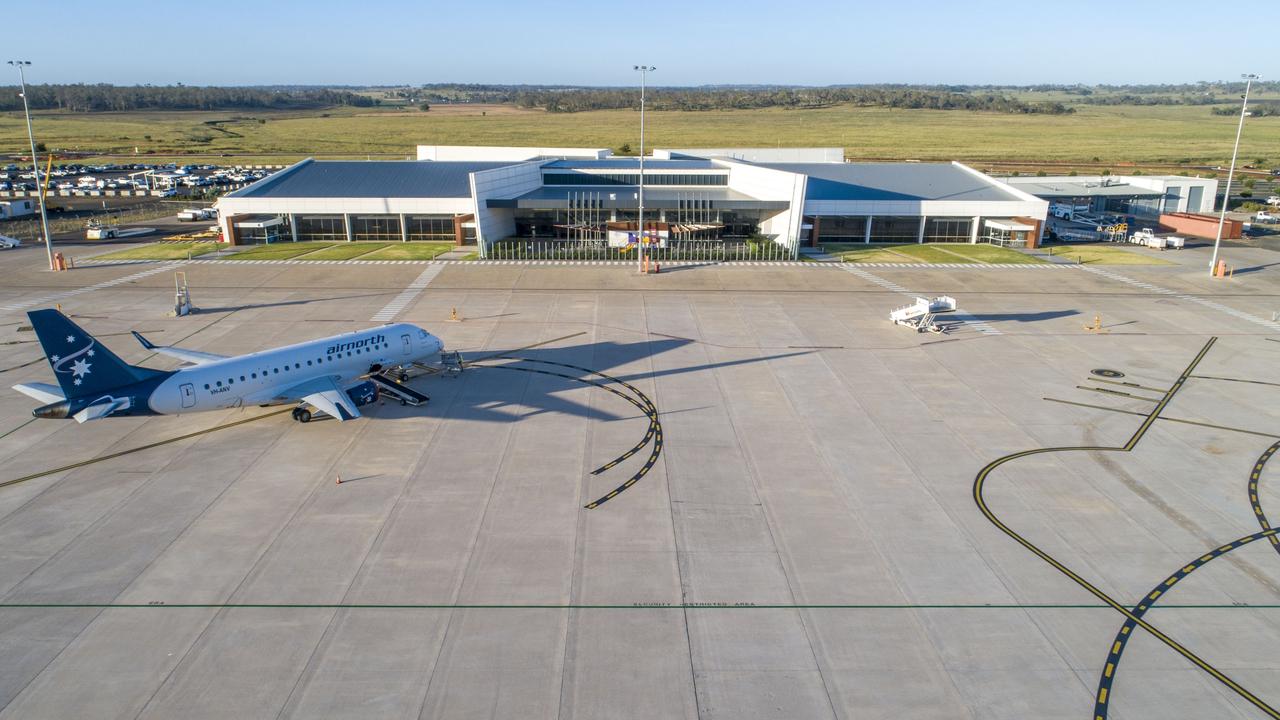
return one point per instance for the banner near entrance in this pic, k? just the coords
(629, 238)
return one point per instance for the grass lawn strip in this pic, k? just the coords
(343, 251)
(863, 253)
(161, 251)
(279, 251)
(409, 251)
(1106, 255)
(990, 254)
(930, 254)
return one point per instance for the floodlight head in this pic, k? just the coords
(16, 63)
(1250, 76)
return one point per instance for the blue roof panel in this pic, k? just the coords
(376, 179)
(894, 181)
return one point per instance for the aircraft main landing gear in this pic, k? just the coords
(302, 415)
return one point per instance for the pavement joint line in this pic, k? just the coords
(979, 482)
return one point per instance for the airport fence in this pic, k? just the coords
(28, 228)
(682, 251)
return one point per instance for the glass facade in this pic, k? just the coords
(329, 228)
(430, 227)
(704, 224)
(385, 228)
(841, 228)
(380, 228)
(953, 230)
(895, 229)
(571, 178)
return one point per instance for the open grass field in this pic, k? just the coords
(161, 251)
(1108, 255)
(1114, 134)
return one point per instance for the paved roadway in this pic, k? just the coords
(803, 538)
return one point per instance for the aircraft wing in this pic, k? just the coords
(195, 357)
(324, 395)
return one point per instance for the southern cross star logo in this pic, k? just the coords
(80, 368)
(71, 338)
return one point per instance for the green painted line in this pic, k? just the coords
(635, 606)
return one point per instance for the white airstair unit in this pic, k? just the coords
(919, 315)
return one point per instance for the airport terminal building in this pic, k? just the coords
(790, 196)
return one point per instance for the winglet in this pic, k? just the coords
(145, 342)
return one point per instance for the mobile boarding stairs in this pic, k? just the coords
(920, 314)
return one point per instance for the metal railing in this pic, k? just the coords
(709, 251)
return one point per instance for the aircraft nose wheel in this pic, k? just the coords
(302, 415)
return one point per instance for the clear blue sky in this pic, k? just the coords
(258, 42)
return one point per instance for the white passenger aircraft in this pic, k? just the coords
(334, 375)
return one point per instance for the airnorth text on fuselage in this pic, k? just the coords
(367, 342)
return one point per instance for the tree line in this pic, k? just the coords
(104, 97)
(696, 99)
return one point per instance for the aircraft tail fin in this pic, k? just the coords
(82, 365)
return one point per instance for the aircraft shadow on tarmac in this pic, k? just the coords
(1025, 317)
(284, 303)
(489, 395)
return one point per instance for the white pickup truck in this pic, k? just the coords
(1266, 217)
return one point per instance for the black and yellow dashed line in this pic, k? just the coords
(1101, 702)
(1254, 476)
(639, 400)
(979, 483)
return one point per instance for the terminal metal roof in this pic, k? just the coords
(894, 181)
(377, 179)
(630, 163)
(1082, 188)
(624, 197)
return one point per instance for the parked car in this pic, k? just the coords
(8, 243)
(1264, 216)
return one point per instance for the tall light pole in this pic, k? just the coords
(1226, 194)
(644, 71)
(35, 164)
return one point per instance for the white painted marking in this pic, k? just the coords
(401, 301)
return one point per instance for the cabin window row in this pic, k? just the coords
(296, 366)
